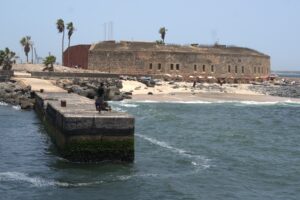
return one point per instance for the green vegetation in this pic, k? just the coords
(60, 25)
(7, 58)
(49, 60)
(26, 43)
(162, 31)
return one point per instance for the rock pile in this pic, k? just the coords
(278, 90)
(16, 93)
(88, 86)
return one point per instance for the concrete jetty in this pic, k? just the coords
(80, 133)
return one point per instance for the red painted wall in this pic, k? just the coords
(78, 56)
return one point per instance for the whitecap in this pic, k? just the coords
(17, 107)
(259, 103)
(40, 182)
(22, 177)
(3, 103)
(197, 160)
(128, 105)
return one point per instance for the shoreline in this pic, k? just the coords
(210, 98)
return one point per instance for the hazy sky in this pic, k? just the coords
(269, 26)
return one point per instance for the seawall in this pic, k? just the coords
(80, 133)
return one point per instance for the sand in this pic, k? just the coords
(186, 93)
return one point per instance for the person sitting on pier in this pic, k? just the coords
(100, 103)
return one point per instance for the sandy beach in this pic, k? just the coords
(184, 92)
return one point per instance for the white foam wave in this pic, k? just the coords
(40, 182)
(17, 107)
(197, 160)
(118, 109)
(257, 103)
(127, 105)
(268, 103)
(3, 103)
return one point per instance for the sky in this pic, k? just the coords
(269, 26)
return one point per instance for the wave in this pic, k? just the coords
(40, 182)
(235, 102)
(3, 103)
(197, 160)
(17, 107)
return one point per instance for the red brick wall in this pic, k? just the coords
(78, 56)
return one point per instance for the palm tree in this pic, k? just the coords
(60, 25)
(49, 60)
(162, 31)
(26, 43)
(7, 58)
(71, 29)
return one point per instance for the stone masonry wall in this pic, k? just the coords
(180, 63)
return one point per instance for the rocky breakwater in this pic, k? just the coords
(282, 88)
(16, 93)
(87, 87)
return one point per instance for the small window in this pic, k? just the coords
(229, 68)
(150, 66)
(195, 67)
(159, 66)
(212, 68)
(243, 70)
(172, 67)
(236, 69)
(258, 70)
(254, 70)
(177, 66)
(262, 70)
(203, 68)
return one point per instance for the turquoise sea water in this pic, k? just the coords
(197, 150)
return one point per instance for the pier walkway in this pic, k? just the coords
(81, 133)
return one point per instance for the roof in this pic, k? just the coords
(154, 47)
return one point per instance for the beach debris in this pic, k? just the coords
(175, 86)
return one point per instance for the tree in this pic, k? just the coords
(71, 29)
(26, 43)
(49, 60)
(7, 58)
(162, 31)
(60, 25)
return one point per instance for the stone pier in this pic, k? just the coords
(81, 133)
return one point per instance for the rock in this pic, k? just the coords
(117, 98)
(126, 96)
(91, 93)
(112, 91)
(26, 104)
(128, 93)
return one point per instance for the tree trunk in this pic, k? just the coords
(31, 54)
(62, 48)
(69, 53)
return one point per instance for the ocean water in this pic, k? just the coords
(291, 74)
(195, 150)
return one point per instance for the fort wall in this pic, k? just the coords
(146, 58)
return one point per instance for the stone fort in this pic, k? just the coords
(149, 58)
